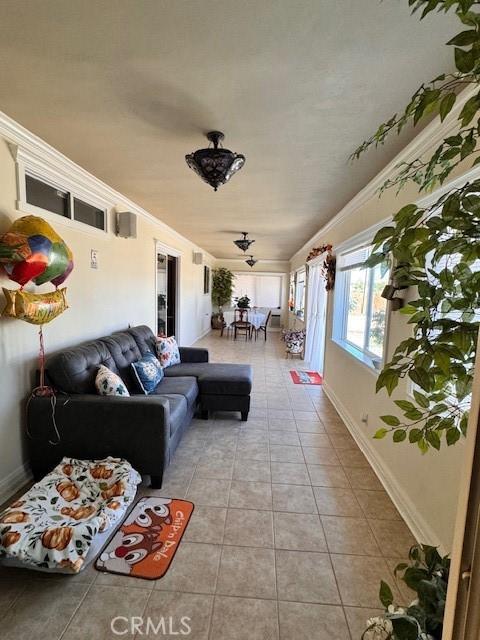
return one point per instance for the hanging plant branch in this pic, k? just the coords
(437, 253)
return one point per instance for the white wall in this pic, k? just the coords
(424, 487)
(119, 293)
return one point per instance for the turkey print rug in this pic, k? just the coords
(146, 542)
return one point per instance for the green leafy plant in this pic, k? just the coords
(426, 573)
(222, 286)
(243, 302)
(435, 250)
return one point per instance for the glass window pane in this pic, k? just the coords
(43, 195)
(300, 294)
(88, 214)
(379, 307)
(162, 294)
(243, 285)
(291, 294)
(357, 306)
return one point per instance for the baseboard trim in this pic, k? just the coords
(419, 527)
(202, 335)
(9, 485)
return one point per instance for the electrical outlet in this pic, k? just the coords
(365, 418)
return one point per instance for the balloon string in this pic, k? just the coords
(41, 358)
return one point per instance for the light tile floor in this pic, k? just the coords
(290, 537)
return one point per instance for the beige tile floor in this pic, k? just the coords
(290, 537)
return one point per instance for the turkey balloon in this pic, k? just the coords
(31, 250)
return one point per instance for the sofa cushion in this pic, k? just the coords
(109, 383)
(182, 386)
(74, 370)
(216, 378)
(167, 351)
(148, 373)
(124, 351)
(145, 339)
(189, 369)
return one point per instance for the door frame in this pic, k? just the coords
(161, 247)
(461, 620)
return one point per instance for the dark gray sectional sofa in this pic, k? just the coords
(143, 429)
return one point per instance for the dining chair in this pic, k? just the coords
(263, 327)
(241, 324)
(225, 324)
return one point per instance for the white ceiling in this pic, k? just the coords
(127, 87)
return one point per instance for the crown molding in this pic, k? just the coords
(430, 136)
(26, 146)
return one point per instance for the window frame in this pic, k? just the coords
(371, 360)
(24, 169)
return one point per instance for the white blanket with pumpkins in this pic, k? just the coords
(53, 526)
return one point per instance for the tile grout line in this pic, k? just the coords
(82, 600)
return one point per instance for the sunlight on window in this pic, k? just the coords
(361, 312)
(378, 313)
(357, 311)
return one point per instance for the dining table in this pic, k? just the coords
(256, 318)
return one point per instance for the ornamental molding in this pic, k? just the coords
(39, 156)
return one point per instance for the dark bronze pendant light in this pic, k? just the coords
(215, 165)
(243, 243)
(251, 262)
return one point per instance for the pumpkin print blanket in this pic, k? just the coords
(53, 525)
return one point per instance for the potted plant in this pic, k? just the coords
(243, 302)
(427, 575)
(222, 289)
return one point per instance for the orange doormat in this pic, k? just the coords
(306, 377)
(145, 544)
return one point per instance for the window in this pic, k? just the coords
(49, 197)
(45, 196)
(263, 290)
(360, 310)
(88, 214)
(291, 292)
(300, 294)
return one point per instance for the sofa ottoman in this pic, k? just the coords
(222, 387)
(225, 387)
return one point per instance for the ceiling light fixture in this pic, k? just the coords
(215, 165)
(244, 243)
(251, 262)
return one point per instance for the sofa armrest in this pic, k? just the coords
(136, 428)
(193, 354)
